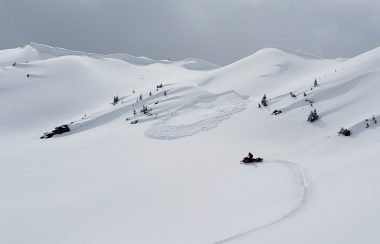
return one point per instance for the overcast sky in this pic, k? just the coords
(221, 31)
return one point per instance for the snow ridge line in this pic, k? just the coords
(305, 191)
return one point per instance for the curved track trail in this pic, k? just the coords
(304, 194)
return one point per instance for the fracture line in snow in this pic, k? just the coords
(303, 198)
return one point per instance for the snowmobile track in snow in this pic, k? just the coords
(304, 194)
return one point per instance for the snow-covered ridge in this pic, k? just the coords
(294, 52)
(46, 52)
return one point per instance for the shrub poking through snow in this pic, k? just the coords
(165, 93)
(264, 101)
(150, 93)
(145, 109)
(159, 86)
(313, 116)
(304, 94)
(292, 94)
(366, 123)
(276, 112)
(374, 119)
(345, 132)
(115, 99)
(133, 122)
(141, 97)
(315, 82)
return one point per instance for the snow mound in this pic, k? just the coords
(268, 70)
(364, 125)
(17, 55)
(198, 64)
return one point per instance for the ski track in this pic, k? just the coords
(304, 195)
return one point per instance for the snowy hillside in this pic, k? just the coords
(35, 51)
(152, 149)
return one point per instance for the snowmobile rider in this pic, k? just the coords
(250, 156)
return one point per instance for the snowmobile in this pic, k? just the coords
(247, 160)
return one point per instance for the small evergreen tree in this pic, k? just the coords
(165, 93)
(141, 97)
(304, 94)
(116, 99)
(264, 101)
(313, 116)
(145, 109)
(150, 93)
(134, 112)
(315, 82)
(345, 132)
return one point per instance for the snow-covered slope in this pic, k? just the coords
(35, 51)
(172, 174)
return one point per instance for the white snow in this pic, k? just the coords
(175, 177)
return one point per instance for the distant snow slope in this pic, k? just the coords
(35, 51)
(171, 173)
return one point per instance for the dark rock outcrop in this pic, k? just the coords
(57, 131)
